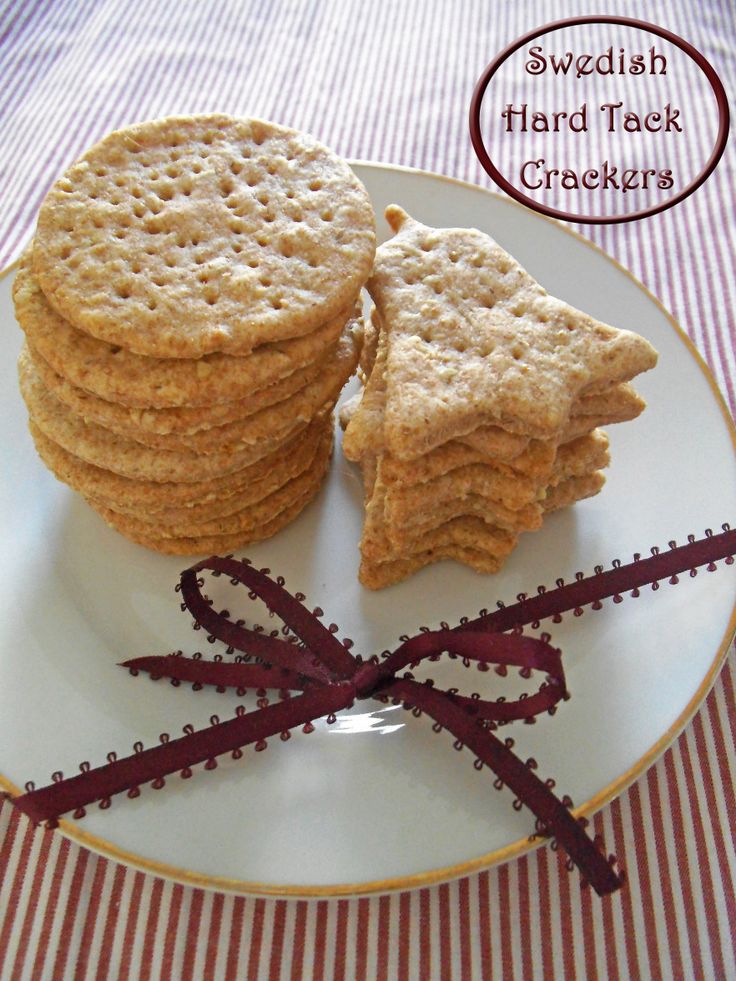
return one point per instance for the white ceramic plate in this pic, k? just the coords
(377, 801)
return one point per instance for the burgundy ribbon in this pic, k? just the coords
(330, 679)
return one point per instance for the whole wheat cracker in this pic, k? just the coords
(525, 519)
(348, 408)
(378, 575)
(616, 403)
(217, 544)
(529, 455)
(274, 423)
(496, 442)
(363, 420)
(581, 456)
(286, 469)
(528, 518)
(484, 477)
(363, 434)
(116, 375)
(463, 532)
(182, 420)
(512, 491)
(534, 459)
(579, 425)
(589, 412)
(370, 345)
(505, 497)
(247, 519)
(535, 462)
(117, 453)
(510, 453)
(475, 340)
(466, 530)
(182, 236)
(574, 489)
(364, 439)
(431, 513)
(137, 496)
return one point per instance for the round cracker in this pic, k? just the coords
(183, 236)
(116, 375)
(124, 493)
(306, 458)
(215, 544)
(181, 420)
(250, 515)
(245, 530)
(124, 456)
(271, 424)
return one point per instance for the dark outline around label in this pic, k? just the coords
(493, 172)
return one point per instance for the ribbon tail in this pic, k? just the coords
(599, 586)
(129, 773)
(529, 789)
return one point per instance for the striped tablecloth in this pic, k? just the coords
(387, 81)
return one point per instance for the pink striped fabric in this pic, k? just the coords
(392, 82)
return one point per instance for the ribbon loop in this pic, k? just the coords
(333, 657)
(503, 650)
(482, 646)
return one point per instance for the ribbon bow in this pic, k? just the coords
(331, 679)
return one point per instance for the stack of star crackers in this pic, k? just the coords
(482, 401)
(190, 309)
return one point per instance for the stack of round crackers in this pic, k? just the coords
(481, 405)
(190, 306)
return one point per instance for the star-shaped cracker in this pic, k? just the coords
(474, 340)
